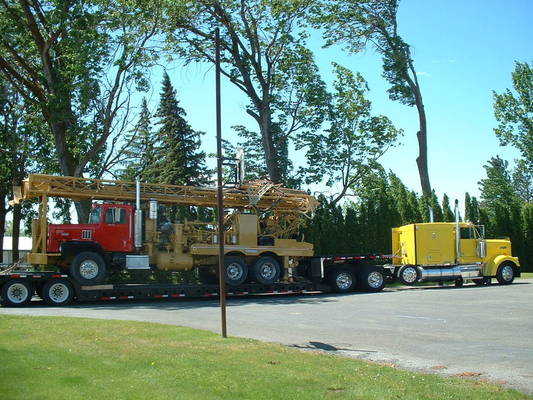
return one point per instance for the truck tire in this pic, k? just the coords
(341, 279)
(16, 293)
(505, 274)
(266, 270)
(371, 279)
(58, 292)
(408, 275)
(88, 268)
(235, 271)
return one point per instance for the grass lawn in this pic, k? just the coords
(71, 358)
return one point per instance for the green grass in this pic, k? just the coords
(70, 358)
(526, 275)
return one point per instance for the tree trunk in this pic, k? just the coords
(67, 163)
(265, 125)
(17, 214)
(422, 159)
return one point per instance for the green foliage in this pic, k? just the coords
(78, 62)
(359, 23)
(448, 215)
(176, 156)
(264, 55)
(354, 139)
(514, 113)
(503, 210)
(139, 155)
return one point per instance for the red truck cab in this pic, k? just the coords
(110, 226)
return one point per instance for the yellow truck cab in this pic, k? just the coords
(450, 251)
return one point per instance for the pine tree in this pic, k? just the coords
(140, 152)
(448, 215)
(178, 159)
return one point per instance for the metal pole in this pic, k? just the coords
(221, 271)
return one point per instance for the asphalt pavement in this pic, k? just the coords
(484, 332)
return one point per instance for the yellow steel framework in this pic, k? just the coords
(260, 195)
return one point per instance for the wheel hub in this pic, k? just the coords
(507, 273)
(17, 293)
(234, 271)
(343, 281)
(409, 275)
(267, 271)
(58, 293)
(88, 269)
(375, 279)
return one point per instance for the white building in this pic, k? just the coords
(24, 248)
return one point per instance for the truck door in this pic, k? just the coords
(115, 232)
(468, 243)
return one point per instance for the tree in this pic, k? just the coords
(264, 55)
(140, 152)
(177, 159)
(514, 113)
(354, 140)
(522, 178)
(15, 144)
(77, 62)
(355, 23)
(448, 215)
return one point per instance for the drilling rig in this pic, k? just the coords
(126, 229)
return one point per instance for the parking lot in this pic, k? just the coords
(484, 332)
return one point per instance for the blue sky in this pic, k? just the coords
(462, 51)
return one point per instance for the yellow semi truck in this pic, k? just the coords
(450, 251)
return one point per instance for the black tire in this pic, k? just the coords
(16, 293)
(408, 275)
(58, 292)
(266, 270)
(486, 281)
(235, 271)
(371, 279)
(341, 279)
(88, 268)
(506, 273)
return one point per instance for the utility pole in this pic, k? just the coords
(221, 269)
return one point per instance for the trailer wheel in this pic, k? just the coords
(88, 268)
(408, 275)
(236, 271)
(58, 292)
(505, 274)
(341, 279)
(266, 270)
(16, 293)
(371, 279)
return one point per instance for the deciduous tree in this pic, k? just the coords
(356, 23)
